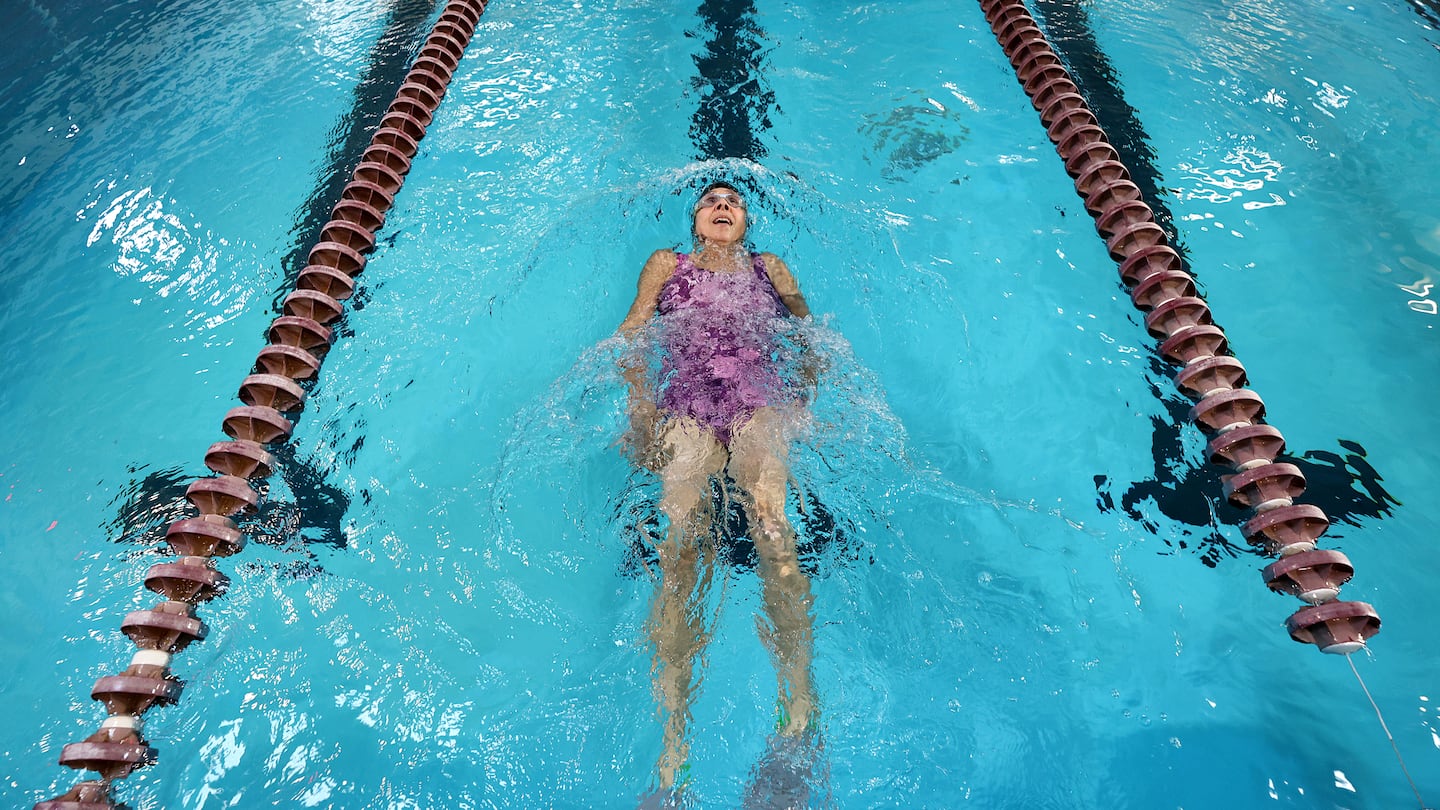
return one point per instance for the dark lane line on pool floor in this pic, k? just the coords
(1429, 11)
(1180, 489)
(1067, 26)
(735, 101)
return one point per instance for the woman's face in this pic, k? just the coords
(720, 217)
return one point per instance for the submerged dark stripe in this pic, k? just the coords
(735, 102)
(1429, 11)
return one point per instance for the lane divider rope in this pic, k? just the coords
(1231, 414)
(298, 341)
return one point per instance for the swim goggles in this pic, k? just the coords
(714, 198)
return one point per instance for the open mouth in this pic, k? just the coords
(722, 220)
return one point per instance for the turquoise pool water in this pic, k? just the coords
(1026, 596)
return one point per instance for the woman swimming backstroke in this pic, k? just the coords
(729, 397)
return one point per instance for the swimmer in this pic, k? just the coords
(722, 406)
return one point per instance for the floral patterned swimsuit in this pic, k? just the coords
(719, 338)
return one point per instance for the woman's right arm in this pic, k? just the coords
(658, 269)
(640, 438)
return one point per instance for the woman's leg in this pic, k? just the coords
(691, 457)
(759, 463)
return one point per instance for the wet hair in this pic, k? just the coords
(718, 184)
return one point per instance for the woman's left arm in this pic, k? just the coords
(811, 363)
(785, 285)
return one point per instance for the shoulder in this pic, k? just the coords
(774, 262)
(663, 256)
(785, 285)
(776, 268)
(657, 271)
(660, 265)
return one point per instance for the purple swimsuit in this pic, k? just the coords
(719, 339)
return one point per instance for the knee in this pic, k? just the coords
(678, 558)
(786, 585)
(775, 543)
(680, 503)
(767, 509)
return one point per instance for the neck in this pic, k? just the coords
(709, 251)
